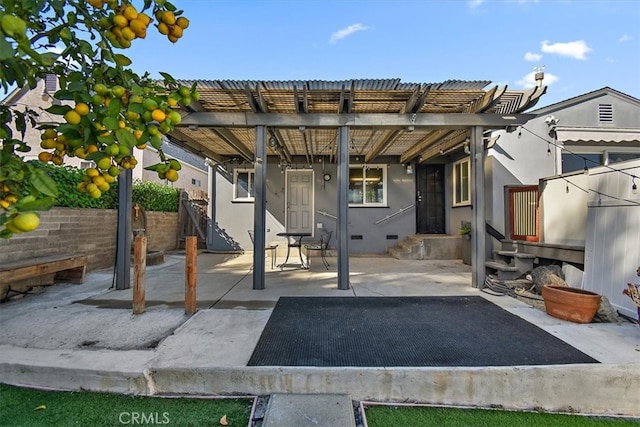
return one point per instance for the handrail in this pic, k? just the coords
(388, 217)
(328, 215)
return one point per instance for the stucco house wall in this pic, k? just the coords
(233, 219)
(523, 156)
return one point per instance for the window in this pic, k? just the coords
(243, 184)
(572, 162)
(87, 164)
(368, 185)
(195, 182)
(461, 183)
(621, 157)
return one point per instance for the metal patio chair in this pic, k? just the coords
(270, 248)
(321, 246)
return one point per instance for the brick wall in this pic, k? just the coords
(86, 231)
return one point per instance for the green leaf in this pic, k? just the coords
(6, 50)
(106, 139)
(168, 77)
(60, 110)
(122, 60)
(115, 106)
(154, 167)
(95, 156)
(43, 183)
(111, 123)
(39, 205)
(64, 95)
(125, 137)
(77, 86)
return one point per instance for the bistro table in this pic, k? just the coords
(294, 240)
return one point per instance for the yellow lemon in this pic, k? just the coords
(171, 175)
(72, 117)
(182, 22)
(130, 13)
(163, 28)
(158, 115)
(168, 17)
(82, 108)
(120, 21)
(26, 221)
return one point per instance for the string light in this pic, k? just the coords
(548, 149)
(634, 187)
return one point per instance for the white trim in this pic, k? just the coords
(313, 196)
(364, 168)
(251, 177)
(466, 202)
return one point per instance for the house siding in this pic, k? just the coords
(233, 219)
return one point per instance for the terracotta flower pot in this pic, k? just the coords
(574, 305)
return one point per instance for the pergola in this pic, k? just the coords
(304, 119)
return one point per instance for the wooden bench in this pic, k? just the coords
(20, 276)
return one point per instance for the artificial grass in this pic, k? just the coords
(414, 416)
(24, 407)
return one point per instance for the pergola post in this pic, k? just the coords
(478, 236)
(260, 207)
(343, 208)
(123, 236)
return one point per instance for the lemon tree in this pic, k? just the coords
(106, 111)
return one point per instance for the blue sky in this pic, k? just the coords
(584, 45)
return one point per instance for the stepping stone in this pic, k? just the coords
(317, 410)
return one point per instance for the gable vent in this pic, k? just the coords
(605, 113)
(51, 83)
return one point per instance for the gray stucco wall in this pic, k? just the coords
(235, 218)
(521, 158)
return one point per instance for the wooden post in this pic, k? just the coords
(191, 270)
(139, 273)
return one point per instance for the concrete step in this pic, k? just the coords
(522, 261)
(505, 271)
(317, 410)
(427, 246)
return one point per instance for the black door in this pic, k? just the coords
(430, 199)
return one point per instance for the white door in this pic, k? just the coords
(299, 214)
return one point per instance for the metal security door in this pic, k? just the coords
(430, 199)
(299, 203)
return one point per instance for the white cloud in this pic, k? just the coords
(625, 38)
(529, 80)
(345, 32)
(474, 4)
(532, 57)
(577, 49)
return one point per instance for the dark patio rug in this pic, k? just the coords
(404, 331)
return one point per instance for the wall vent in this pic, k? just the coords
(51, 83)
(392, 237)
(605, 113)
(356, 237)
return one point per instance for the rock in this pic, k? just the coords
(606, 313)
(547, 275)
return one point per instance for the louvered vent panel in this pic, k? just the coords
(605, 113)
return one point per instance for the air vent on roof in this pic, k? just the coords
(605, 113)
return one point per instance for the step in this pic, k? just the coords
(505, 271)
(318, 410)
(515, 254)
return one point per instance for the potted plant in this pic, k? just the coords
(465, 232)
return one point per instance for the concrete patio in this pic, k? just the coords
(86, 337)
